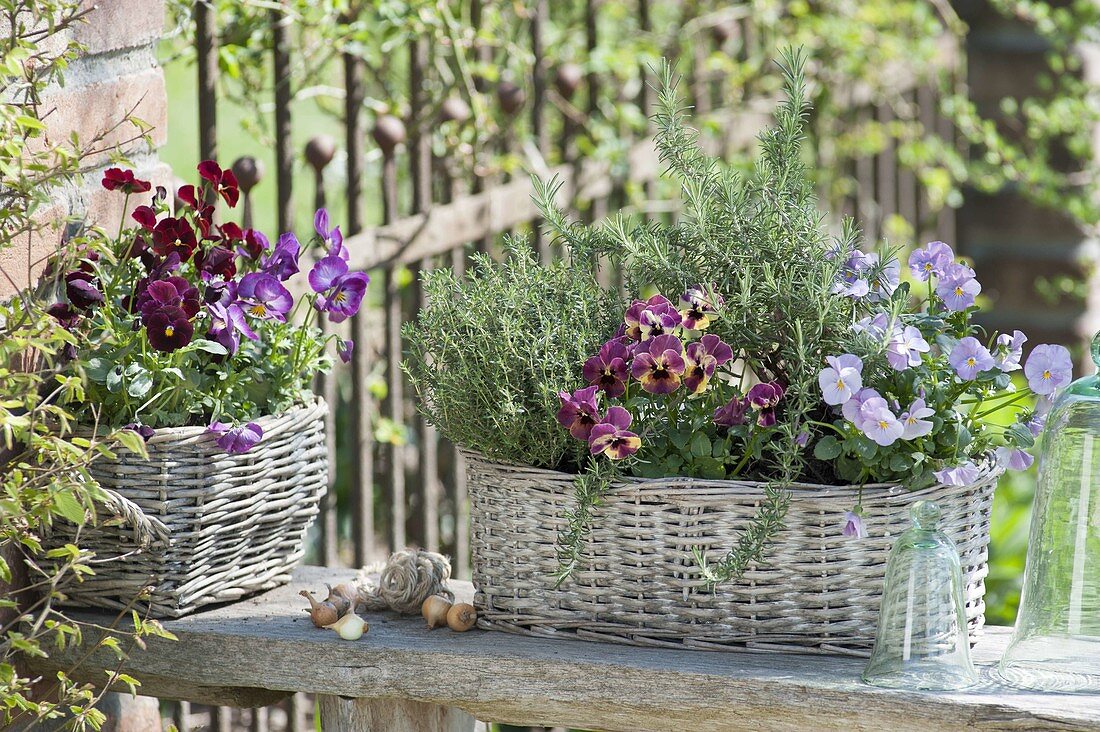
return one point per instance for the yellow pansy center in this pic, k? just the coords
(169, 331)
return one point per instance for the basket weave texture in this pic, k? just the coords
(638, 583)
(202, 526)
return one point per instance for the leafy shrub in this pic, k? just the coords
(488, 354)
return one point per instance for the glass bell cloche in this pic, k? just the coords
(1056, 644)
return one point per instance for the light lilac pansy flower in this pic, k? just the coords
(841, 379)
(932, 259)
(853, 524)
(885, 283)
(969, 358)
(1048, 369)
(960, 475)
(905, 348)
(851, 408)
(915, 422)
(879, 423)
(236, 440)
(1014, 458)
(958, 287)
(1008, 350)
(344, 349)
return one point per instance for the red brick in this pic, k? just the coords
(115, 24)
(97, 107)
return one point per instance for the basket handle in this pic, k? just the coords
(147, 529)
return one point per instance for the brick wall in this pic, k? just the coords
(118, 75)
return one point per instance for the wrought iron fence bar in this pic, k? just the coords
(284, 156)
(207, 64)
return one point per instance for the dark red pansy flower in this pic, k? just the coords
(173, 292)
(217, 260)
(255, 244)
(223, 181)
(168, 329)
(146, 216)
(81, 290)
(174, 235)
(117, 179)
(231, 232)
(65, 315)
(187, 195)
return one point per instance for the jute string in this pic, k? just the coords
(407, 579)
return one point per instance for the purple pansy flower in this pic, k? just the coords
(765, 398)
(957, 287)
(261, 295)
(282, 261)
(332, 239)
(611, 436)
(1008, 350)
(853, 524)
(699, 306)
(579, 412)
(701, 358)
(905, 348)
(802, 438)
(143, 430)
(1048, 369)
(651, 318)
(344, 349)
(345, 297)
(659, 364)
(852, 280)
(609, 369)
(1036, 423)
(732, 413)
(1014, 458)
(236, 440)
(81, 290)
(218, 261)
(914, 420)
(841, 379)
(969, 358)
(875, 326)
(963, 474)
(227, 322)
(932, 259)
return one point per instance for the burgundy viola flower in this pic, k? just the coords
(64, 314)
(223, 181)
(117, 179)
(231, 232)
(227, 323)
(172, 292)
(146, 216)
(236, 440)
(143, 430)
(332, 240)
(345, 349)
(188, 195)
(611, 436)
(609, 369)
(282, 261)
(261, 295)
(81, 290)
(254, 244)
(699, 306)
(659, 364)
(702, 358)
(174, 235)
(579, 412)
(764, 398)
(732, 413)
(168, 328)
(217, 261)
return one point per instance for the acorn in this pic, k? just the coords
(323, 614)
(461, 617)
(435, 610)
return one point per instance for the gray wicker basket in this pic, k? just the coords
(201, 526)
(639, 584)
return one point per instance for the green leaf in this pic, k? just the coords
(700, 445)
(827, 448)
(114, 379)
(133, 442)
(97, 369)
(140, 384)
(201, 344)
(67, 505)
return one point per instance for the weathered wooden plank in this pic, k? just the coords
(390, 715)
(269, 643)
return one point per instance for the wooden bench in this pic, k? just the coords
(400, 676)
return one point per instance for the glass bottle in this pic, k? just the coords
(922, 640)
(1056, 642)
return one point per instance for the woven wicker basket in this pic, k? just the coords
(202, 526)
(638, 582)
